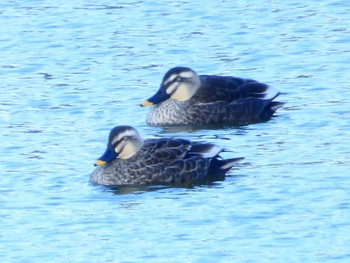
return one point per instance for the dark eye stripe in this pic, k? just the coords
(170, 79)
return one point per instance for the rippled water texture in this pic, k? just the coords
(71, 70)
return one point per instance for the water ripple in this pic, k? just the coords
(70, 71)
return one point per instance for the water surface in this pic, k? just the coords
(70, 71)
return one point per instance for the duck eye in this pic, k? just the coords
(178, 79)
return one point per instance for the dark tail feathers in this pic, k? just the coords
(270, 109)
(226, 164)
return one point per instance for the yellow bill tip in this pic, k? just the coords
(146, 103)
(100, 162)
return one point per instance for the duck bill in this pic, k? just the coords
(107, 157)
(156, 98)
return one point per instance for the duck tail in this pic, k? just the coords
(275, 105)
(270, 109)
(219, 167)
(226, 164)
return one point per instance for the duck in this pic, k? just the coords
(130, 160)
(184, 97)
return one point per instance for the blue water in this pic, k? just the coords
(70, 71)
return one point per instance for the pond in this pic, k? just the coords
(70, 71)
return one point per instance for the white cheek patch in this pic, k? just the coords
(118, 148)
(126, 149)
(171, 89)
(182, 93)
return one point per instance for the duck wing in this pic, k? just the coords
(231, 89)
(163, 150)
(178, 161)
(202, 164)
(171, 161)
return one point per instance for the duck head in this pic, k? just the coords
(179, 83)
(123, 142)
